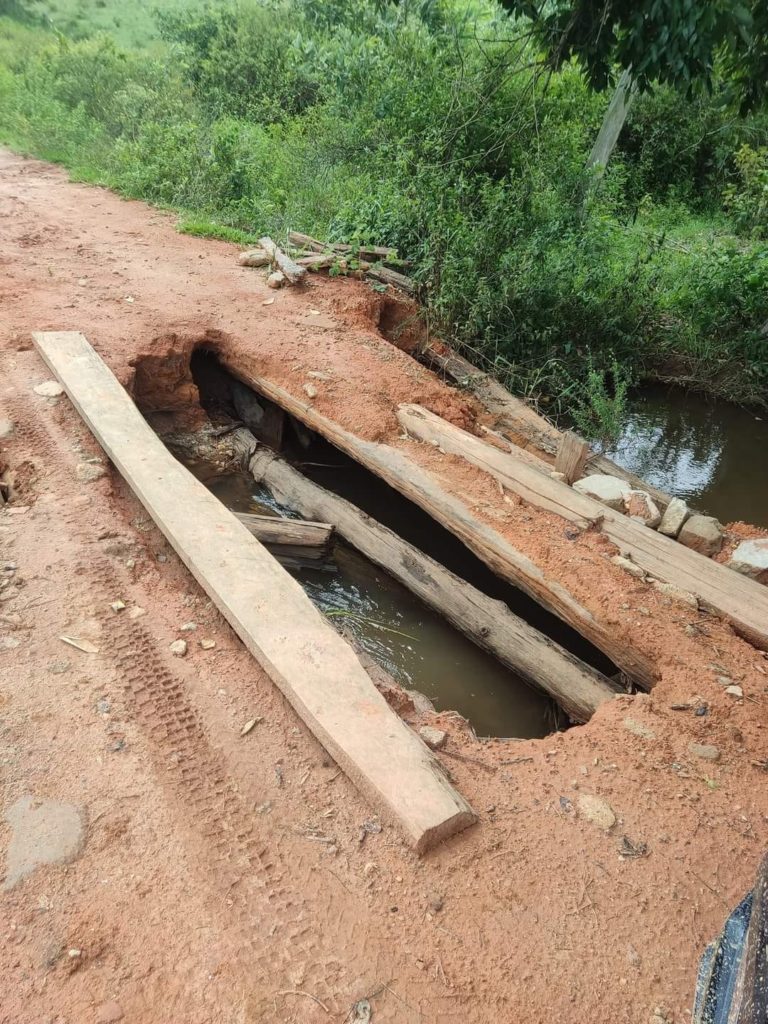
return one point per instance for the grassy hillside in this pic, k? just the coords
(424, 126)
(132, 24)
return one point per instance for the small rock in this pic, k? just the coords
(676, 594)
(43, 832)
(674, 517)
(109, 1013)
(136, 612)
(640, 505)
(435, 903)
(276, 280)
(59, 667)
(434, 738)
(189, 627)
(250, 725)
(6, 429)
(49, 389)
(724, 680)
(370, 869)
(734, 691)
(207, 645)
(703, 534)
(633, 957)
(117, 606)
(178, 648)
(628, 566)
(704, 750)
(610, 490)
(597, 810)
(751, 559)
(638, 729)
(87, 472)
(311, 390)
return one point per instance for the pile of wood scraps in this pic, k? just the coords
(378, 263)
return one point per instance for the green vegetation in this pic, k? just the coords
(431, 127)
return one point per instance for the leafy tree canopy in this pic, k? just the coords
(680, 42)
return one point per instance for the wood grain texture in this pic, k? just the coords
(311, 664)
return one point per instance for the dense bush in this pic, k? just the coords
(418, 126)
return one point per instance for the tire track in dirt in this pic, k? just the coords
(263, 901)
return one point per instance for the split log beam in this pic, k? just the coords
(518, 417)
(369, 253)
(294, 643)
(577, 687)
(736, 598)
(294, 532)
(424, 489)
(572, 455)
(292, 271)
(392, 277)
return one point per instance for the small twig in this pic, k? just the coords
(308, 995)
(470, 760)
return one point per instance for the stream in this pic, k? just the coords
(711, 453)
(415, 645)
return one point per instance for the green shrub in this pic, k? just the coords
(747, 200)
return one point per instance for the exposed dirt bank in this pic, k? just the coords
(205, 889)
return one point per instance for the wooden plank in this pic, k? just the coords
(572, 455)
(738, 599)
(295, 532)
(424, 489)
(533, 485)
(311, 664)
(293, 272)
(577, 687)
(516, 415)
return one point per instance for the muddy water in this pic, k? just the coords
(713, 454)
(415, 645)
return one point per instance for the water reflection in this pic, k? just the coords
(713, 454)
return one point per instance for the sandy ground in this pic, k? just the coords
(222, 878)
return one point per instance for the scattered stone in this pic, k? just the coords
(597, 810)
(311, 390)
(370, 869)
(434, 738)
(724, 680)
(6, 429)
(421, 702)
(117, 606)
(751, 559)
(60, 666)
(87, 472)
(638, 729)
(674, 517)
(734, 691)
(676, 594)
(436, 903)
(250, 725)
(264, 808)
(42, 832)
(49, 389)
(704, 750)
(319, 375)
(109, 1013)
(610, 490)
(276, 280)
(136, 612)
(178, 648)
(628, 566)
(640, 505)
(633, 957)
(207, 645)
(9, 643)
(189, 627)
(703, 534)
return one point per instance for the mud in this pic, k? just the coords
(231, 878)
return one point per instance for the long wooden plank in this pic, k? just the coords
(294, 532)
(311, 664)
(577, 687)
(424, 489)
(738, 599)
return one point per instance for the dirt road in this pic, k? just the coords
(214, 877)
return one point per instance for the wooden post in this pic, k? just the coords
(572, 455)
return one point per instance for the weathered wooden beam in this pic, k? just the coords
(739, 600)
(411, 480)
(294, 532)
(293, 642)
(292, 271)
(577, 687)
(572, 455)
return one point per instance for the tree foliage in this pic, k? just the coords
(679, 42)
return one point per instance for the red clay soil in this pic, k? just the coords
(229, 878)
